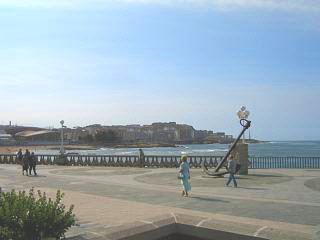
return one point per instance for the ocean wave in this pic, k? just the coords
(127, 153)
(210, 150)
(104, 149)
(185, 152)
(182, 146)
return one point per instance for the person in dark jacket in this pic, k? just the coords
(19, 157)
(141, 158)
(33, 164)
(25, 162)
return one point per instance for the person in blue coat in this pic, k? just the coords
(232, 168)
(185, 176)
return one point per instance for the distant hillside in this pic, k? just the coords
(15, 129)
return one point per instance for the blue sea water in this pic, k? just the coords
(286, 148)
(270, 149)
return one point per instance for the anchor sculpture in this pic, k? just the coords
(215, 173)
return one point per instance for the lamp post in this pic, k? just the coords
(243, 114)
(62, 151)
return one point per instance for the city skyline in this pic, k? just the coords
(11, 124)
(143, 61)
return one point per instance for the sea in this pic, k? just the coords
(266, 149)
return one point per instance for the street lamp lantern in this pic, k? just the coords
(243, 113)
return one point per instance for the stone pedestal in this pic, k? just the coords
(243, 158)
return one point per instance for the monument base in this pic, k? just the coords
(243, 158)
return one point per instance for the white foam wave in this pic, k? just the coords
(127, 153)
(211, 150)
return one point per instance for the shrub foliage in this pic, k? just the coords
(27, 217)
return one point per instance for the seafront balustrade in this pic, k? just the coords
(284, 162)
(167, 161)
(118, 160)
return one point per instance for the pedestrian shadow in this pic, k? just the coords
(252, 188)
(37, 176)
(261, 176)
(77, 238)
(209, 199)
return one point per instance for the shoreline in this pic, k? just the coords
(15, 148)
(33, 148)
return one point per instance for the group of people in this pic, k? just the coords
(28, 161)
(184, 174)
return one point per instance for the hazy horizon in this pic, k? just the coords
(143, 61)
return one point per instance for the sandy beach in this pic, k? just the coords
(15, 149)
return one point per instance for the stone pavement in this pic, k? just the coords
(271, 203)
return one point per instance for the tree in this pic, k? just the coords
(108, 136)
(33, 217)
(87, 139)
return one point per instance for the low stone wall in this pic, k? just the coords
(177, 226)
(167, 161)
(118, 161)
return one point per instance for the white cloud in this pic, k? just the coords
(284, 5)
(291, 5)
(37, 3)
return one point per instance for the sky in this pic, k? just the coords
(142, 61)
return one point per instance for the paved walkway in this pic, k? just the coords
(105, 197)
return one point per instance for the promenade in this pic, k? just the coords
(269, 203)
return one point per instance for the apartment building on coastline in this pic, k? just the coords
(155, 133)
(161, 133)
(158, 132)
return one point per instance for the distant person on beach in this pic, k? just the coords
(25, 162)
(33, 164)
(232, 168)
(184, 175)
(19, 157)
(141, 158)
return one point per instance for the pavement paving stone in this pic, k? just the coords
(313, 184)
(277, 234)
(271, 201)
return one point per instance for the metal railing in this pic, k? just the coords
(284, 162)
(118, 160)
(167, 161)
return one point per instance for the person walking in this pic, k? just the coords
(25, 162)
(33, 164)
(19, 157)
(232, 168)
(141, 158)
(184, 175)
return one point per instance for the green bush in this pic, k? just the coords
(27, 217)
